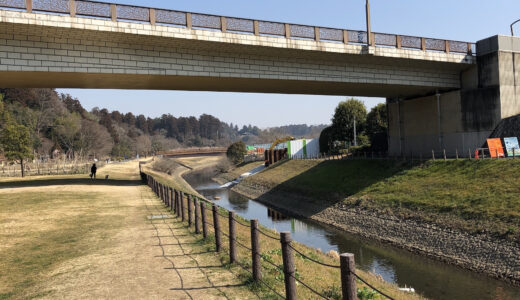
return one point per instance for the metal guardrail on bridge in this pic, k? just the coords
(153, 16)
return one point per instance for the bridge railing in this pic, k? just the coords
(153, 16)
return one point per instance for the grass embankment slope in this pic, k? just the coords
(67, 237)
(473, 195)
(324, 279)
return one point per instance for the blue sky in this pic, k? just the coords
(466, 20)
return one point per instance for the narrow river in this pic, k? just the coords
(432, 279)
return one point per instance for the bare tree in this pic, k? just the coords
(94, 139)
(143, 145)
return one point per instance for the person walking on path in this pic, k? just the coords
(93, 171)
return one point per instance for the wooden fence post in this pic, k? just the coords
(216, 226)
(288, 266)
(204, 222)
(457, 154)
(232, 238)
(190, 220)
(433, 155)
(181, 199)
(177, 204)
(197, 219)
(255, 251)
(162, 194)
(444, 152)
(469, 152)
(172, 200)
(348, 280)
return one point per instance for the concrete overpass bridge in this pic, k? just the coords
(86, 44)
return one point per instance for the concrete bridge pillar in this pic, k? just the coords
(460, 120)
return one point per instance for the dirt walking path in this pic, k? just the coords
(131, 256)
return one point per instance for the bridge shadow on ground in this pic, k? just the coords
(327, 183)
(68, 181)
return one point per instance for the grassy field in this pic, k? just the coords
(70, 237)
(476, 195)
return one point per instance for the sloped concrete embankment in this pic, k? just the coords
(480, 253)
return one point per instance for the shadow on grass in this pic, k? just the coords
(328, 183)
(68, 181)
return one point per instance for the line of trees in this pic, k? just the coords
(42, 124)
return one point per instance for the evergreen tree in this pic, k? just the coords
(344, 116)
(15, 141)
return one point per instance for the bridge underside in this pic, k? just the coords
(38, 50)
(201, 83)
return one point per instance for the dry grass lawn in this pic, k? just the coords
(67, 237)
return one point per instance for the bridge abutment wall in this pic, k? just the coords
(460, 120)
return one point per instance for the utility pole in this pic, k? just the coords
(355, 133)
(369, 31)
(512, 24)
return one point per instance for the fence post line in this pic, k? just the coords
(204, 222)
(190, 219)
(288, 266)
(181, 199)
(29, 6)
(216, 225)
(255, 251)
(348, 280)
(232, 238)
(197, 218)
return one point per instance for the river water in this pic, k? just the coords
(430, 278)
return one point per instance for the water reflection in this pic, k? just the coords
(276, 216)
(431, 278)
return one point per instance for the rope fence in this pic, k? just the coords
(191, 204)
(313, 260)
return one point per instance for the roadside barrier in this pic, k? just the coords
(479, 153)
(174, 200)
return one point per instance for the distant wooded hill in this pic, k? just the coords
(59, 124)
